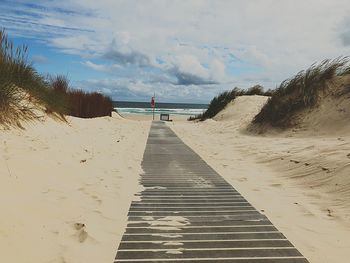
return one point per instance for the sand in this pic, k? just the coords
(65, 190)
(299, 180)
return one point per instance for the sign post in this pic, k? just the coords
(153, 103)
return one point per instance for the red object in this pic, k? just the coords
(152, 102)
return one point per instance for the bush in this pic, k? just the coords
(79, 103)
(300, 92)
(89, 105)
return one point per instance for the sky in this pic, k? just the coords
(181, 50)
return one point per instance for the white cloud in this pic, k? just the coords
(190, 64)
(39, 59)
(193, 42)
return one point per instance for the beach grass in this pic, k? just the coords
(300, 92)
(24, 92)
(80, 103)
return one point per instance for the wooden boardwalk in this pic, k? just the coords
(189, 213)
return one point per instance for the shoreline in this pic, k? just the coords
(149, 117)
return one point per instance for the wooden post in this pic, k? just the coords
(154, 104)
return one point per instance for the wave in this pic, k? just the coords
(160, 110)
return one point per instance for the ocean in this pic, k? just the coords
(187, 109)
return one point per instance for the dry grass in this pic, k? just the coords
(89, 105)
(300, 92)
(22, 89)
(80, 103)
(24, 92)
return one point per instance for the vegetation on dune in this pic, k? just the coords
(89, 105)
(293, 95)
(22, 89)
(24, 92)
(219, 102)
(80, 103)
(300, 92)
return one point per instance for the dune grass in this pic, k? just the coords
(219, 102)
(80, 103)
(300, 92)
(89, 105)
(24, 92)
(22, 89)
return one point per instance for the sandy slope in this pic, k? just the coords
(55, 177)
(300, 181)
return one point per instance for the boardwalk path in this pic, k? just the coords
(189, 213)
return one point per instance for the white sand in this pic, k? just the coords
(301, 182)
(55, 177)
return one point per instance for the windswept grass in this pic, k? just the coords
(24, 92)
(22, 89)
(219, 102)
(80, 103)
(300, 92)
(89, 105)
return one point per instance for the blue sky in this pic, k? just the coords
(184, 51)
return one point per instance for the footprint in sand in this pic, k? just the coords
(242, 179)
(81, 234)
(99, 201)
(326, 169)
(275, 185)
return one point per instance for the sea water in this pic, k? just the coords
(187, 109)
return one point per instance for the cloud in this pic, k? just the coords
(345, 33)
(127, 89)
(37, 20)
(39, 59)
(127, 58)
(186, 47)
(101, 67)
(186, 78)
(345, 37)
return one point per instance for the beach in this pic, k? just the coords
(174, 131)
(66, 187)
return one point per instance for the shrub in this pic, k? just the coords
(89, 105)
(79, 103)
(300, 92)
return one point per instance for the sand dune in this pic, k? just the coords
(298, 178)
(66, 189)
